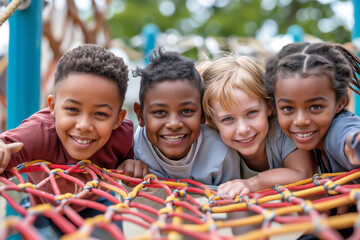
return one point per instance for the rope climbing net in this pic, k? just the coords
(9, 10)
(181, 215)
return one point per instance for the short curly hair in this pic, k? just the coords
(95, 60)
(167, 66)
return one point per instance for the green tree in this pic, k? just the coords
(228, 17)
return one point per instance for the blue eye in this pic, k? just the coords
(227, 119)
(252, 112)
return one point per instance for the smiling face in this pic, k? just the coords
(245, 126)
(86, 109)
(305, 108)
(172, 115)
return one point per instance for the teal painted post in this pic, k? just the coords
(23, 83)
(149, 34)
(356, 41)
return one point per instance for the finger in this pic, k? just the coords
(14, 147)
(233, 193)
(6, 154)
(138, 171)
(5, 160)
(145, 171)
(245, 191)
(129, 169)
(342, 209)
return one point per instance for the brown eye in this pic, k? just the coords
(287, 109)
(316, 107)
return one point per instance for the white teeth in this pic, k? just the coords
(246, 141)
(303, 135)
(82, 141)
(174, 138)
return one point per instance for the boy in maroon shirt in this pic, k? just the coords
(84, 120)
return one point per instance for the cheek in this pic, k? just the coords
(63, 123)
(105, 130)
(226, 133)
(284, 123)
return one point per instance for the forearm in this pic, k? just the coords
(269, 178)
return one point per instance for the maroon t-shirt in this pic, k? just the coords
(40, 140)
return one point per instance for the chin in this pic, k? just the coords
(305, 147)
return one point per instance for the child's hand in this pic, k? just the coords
(352, 148)
(5, 153)
(233, 188)
(134, 168)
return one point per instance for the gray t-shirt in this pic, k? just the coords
(278, 146)
(342, 125)
(210, 161)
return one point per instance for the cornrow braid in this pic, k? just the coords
(333, 60)
(354, 61)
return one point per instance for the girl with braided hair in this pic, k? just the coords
(308, 84)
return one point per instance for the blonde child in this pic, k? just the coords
(235, 104)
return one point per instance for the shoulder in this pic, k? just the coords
(39, 124)
(208, 132)
(43, 116)
(343, 122)
(126, 127)
(347, 116)
(211, 141)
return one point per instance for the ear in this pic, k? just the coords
(51, 104)
(341, 104)
(270, 109)
(120, 118)
(139, 114)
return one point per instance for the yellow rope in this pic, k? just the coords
(9, 10)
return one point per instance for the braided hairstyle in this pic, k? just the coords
(307, 59)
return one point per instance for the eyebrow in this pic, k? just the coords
(222, 116)
(165, 105)
(308, 101)
(97, 105)
(187, 103)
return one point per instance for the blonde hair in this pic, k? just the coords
(223, 75)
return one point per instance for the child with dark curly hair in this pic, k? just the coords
(172, 139)
(84, 120)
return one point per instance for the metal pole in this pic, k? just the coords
(356, 42)
(23, 85)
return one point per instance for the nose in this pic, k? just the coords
(84, 124)
(301, 119)
(174, 122)
(243, 127)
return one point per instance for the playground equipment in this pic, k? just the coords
(23, 99)
(181, 214)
